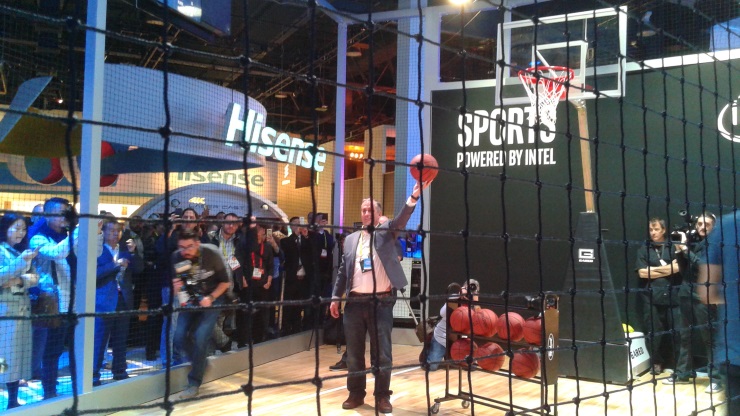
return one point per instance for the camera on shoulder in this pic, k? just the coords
(685, 232)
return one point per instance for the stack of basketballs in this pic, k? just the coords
(486, 326)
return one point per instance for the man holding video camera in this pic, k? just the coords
(200, 278)
(691, 248)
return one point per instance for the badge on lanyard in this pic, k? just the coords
(663, 263)
(324, 254)
(257, 273)
(234, 263)
(366, 264)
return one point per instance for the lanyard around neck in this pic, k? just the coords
(262, 251)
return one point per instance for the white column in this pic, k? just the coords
(92, 109)
(408, 128)
(341, 103)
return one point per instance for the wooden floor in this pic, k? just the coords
(285, 388)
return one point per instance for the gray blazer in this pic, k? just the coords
(385, 246)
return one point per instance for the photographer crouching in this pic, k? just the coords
(690, 245)
(438, 345)
(200, 280)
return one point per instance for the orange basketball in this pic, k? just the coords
(533, 330)
(525, 363)
(460, 320)
(484, 323)
(429, 167)
(515, 324)
(461, 349)
(490, 363)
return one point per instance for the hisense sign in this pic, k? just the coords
(267, 142)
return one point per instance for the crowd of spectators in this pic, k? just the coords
(139, 268)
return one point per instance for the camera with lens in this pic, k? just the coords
(70, 215)
(686, 232)
(472, 289)
(188, 292)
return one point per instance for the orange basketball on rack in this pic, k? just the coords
(461, 349)
(484, 323)
(428, 167)
(515, 324)
(460, 320)
(490, 363)
(525, 363)
(533, 330)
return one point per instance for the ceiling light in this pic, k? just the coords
(322, 109)
(459, 2)
(190, 8)
(281, 95)
(353, 53)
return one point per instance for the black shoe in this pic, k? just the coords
(226, 347)
(151, 356)
(96, 383)
(339, 366)
(123, 376)
(676, 380)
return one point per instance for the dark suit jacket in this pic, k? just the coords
(322, 241)
(289, 247)
(385, 246)
(106, 292)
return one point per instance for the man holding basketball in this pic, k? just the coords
(370, 268)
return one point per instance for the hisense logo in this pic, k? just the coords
(267, 142)
(727, 122)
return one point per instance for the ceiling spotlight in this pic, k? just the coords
(322, 109)
(190, 8)
(281, 95)
(353, 53)
(459, 2)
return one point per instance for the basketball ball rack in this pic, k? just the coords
(547, 309)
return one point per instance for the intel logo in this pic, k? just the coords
(727, 121)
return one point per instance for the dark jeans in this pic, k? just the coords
(729, 372)
(113, 329)
(153, 324)
(731, 380)
(39, 346)
(56, 340)
(693, 313)
(658, 319)
(192, 336)
(176, 356)
(360, 319)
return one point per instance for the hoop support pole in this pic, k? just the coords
(588, 193)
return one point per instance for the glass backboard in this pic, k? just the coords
(592, 43)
